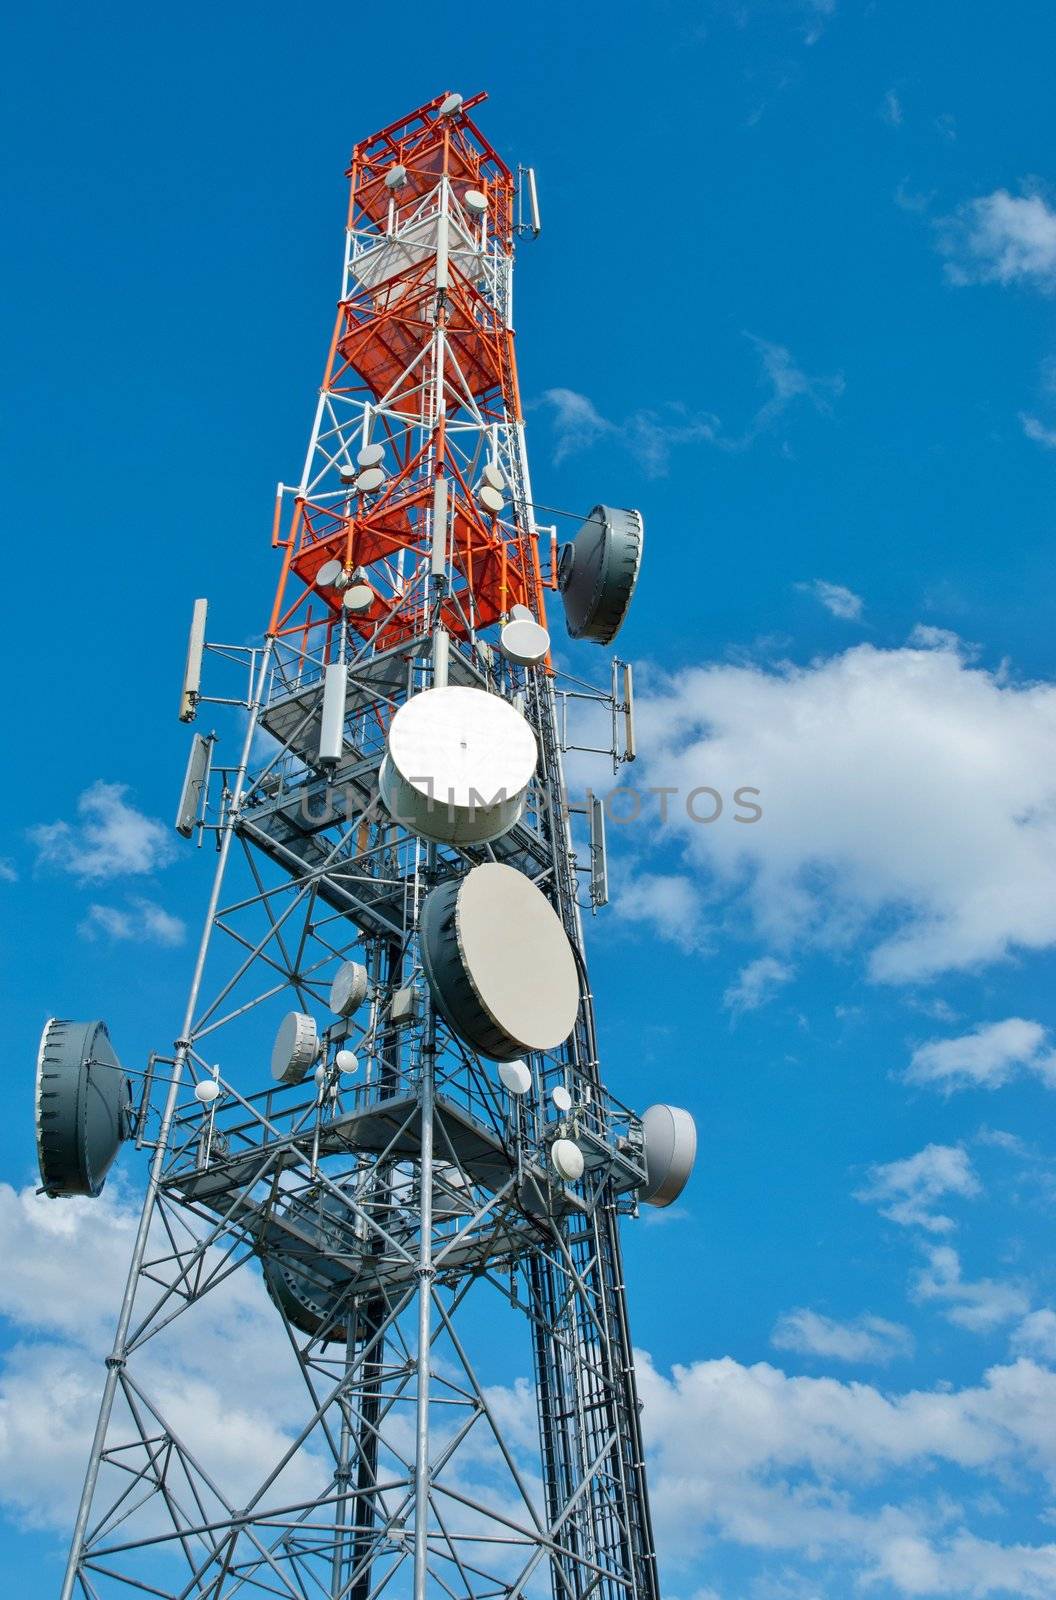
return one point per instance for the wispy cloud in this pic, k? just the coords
(866, 1338)
(985, 1058)
(577, 422)
(111, 839)
(1035, 429)
(651, 433)
(818, 13)
(906, 1191)
(891, 109)
(8, 871)
(140, 919)
(841, 602)
(979, 1306)
(756, 984)
(1001, 238)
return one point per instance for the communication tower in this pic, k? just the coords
(430, 1174)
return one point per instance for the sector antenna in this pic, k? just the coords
(383, 1120)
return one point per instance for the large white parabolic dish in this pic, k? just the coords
(499, 964)
(458, 765)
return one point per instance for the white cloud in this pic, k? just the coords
(1001, 238)
(1036, 1335)
(909, 803)
(112, 838)
(985, 1058)
(867, 1338)
(1036, 430)
(792, 1464)
(8, 871)
(756, 984)
(668, 903)
(926, 637)
(842, 603)
(906, 1191)
(978, 1306)
(142, 920)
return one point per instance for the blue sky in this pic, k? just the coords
(795, 299)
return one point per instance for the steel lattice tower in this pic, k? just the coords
(406, 1216)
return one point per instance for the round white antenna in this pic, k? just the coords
(396, 177)
(475, 202)
(452, 104)
(524, 642)
(561, 1098)
(371, 455)
(296, 1047)
(358, 598)
(515, 1077)
(490, 499)
(370, 480)
(347, 1061)
(349, 988)
(498, 961)
(458, 765)
(328, 574)
(493, 476)
(347, 472)
(207, 1091)
(568, 1161)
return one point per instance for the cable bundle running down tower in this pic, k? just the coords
(434, 1168)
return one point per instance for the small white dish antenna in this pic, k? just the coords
(515, 1076)
(371, 455)
(475, 202)
(568, 1161)
(358, 598)
(493, 476)
(396, 177)
(347, 472)
(207, 1091)
(320, 1074)
(370, 480)
(347, 1061)
(349, 988)
(490, 499)
(524, 642)
(328, 574)
(521, 614)
(452, 104)
(562, 1099)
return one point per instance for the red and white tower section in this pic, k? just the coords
(383, 1122)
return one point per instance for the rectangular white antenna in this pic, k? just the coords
(629, 751)
(332, 725)
(599, 861)
(438, 565)
(533, 203)
(189, 809)
(192, 676)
